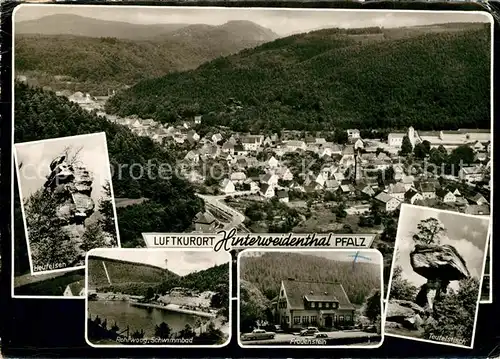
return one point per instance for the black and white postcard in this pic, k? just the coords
(67, 200)
(158, 297)
(436, 276)
(310, 298)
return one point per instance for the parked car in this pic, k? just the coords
(258, 334)
(277, 329)
(309, 331)
(321, 335)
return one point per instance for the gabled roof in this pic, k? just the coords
(296, 290)
(204, 218)
(442, 192)
(76, 287)
(425, 187)
(410, 194)
(384, 197)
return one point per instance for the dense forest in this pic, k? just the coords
(212, 279)
(124, 272)
(96, 64)
(267, 271)
(172, 203)
(331, 78)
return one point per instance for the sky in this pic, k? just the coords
(282, 21)
(36, 158)
(179, 262)
(364, 256)
(467, 233)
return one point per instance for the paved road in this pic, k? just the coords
(282, 338)
(218, 201)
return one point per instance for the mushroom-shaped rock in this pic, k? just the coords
(438, 262)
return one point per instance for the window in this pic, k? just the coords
(312, 304)
(313, 319)
(347, 318)
(327, 305)
(305, 319)
(287, 319)
(282, 292)
(296, 320)
(319, 305)
(341, 318)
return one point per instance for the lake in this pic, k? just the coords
(137, 318)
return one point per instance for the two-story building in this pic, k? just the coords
(304, 303)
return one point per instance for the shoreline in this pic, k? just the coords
(174, 308)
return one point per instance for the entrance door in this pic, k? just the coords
(328, 322)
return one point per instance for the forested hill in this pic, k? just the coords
(171, 203)
(365, 78)
(267, 271)
(94, 64)
(124, 272)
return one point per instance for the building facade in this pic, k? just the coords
(321, 304)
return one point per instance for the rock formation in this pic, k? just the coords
(72, 186)
(440, 264)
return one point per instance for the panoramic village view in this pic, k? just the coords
(288, 129)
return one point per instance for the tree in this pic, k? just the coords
(187, 332)
(150, 293)
(138, 334)
(107, 221)
(420, 151)
(454, 314)
(340, 136)
(406, 146)
(372, 308)
(429, 231)
(162, 331)
(93, 237)
(401, 288)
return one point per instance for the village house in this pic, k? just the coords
(412, 196)
(282, 195)
(477, 198)
(332, 185)
(266, 190)
(398, 172)
(267, 142)
(321, 304)
(204, 222)
(217, 138)
(192, 136)
(353, 134)
(238, 177)
(471, 174)
(228, 147)
(284, 174)
(478, 147)
(358, 209)
(397, 191)
(477, 210)
(240, 150)
(408, 182)
(387, 202)
(254, 186)
(359, 145)
(295, 145)
(347, 189)
(272, 162)
(197, 119)
(366, 190)
(270, 179)
(426, 189)
(227, 186)
(446, 196)
(76, 289)
(252, 142)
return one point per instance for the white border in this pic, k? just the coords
(398, 236)
(108, 174)
(115, 250)
(394, 11)
(298, 346)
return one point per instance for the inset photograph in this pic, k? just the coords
(310, 298)
(66, 199)
(158, 297)
(435, 283)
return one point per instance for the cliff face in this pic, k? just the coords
(72, 185)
